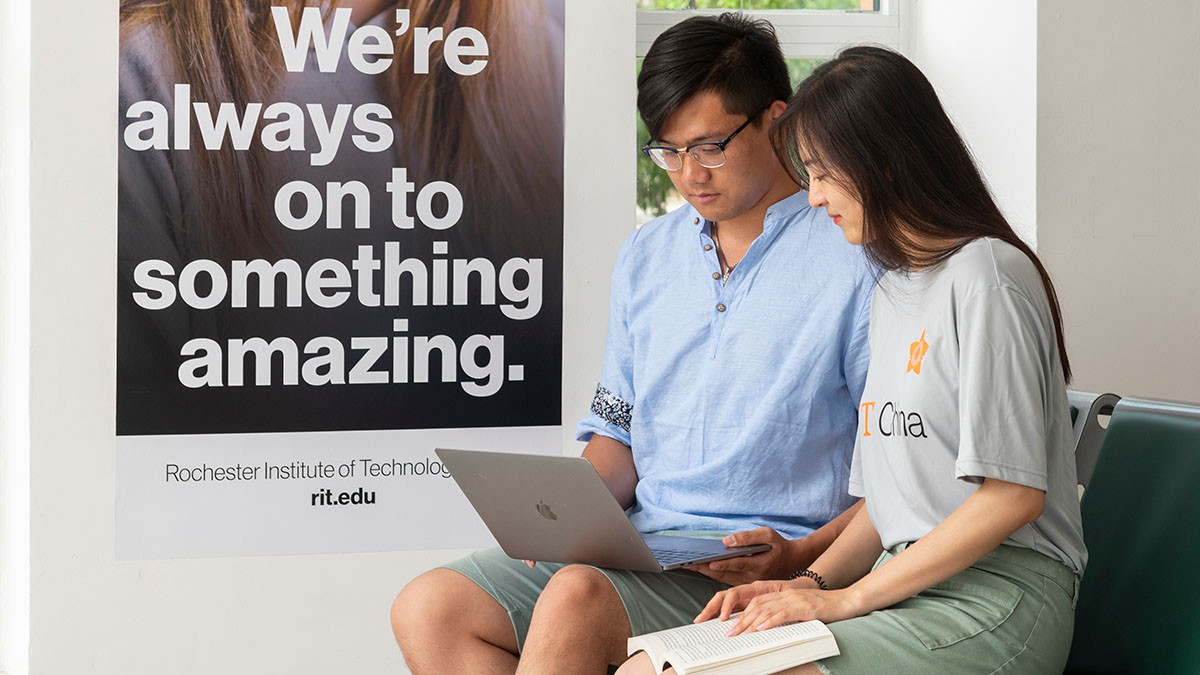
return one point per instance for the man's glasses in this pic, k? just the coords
(709, 154)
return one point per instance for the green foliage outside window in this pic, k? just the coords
(748, 4)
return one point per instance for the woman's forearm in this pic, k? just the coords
(978, 525)
(852, 554)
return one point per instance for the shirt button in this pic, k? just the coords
(720, 308)
(695, 221)
(716, 275)
(708, 247)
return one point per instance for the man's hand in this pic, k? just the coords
(786, 556)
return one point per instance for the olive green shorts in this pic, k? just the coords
(653, 601)
(1013, 611)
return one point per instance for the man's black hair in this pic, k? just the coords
(731, 55)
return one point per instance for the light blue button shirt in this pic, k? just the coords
(738, 400)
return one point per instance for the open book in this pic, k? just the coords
(703, 648)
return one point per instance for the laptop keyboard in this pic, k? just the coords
(669, 556)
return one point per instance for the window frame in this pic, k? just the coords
(803, 33)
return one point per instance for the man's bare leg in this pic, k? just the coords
(579, 625)
(445, 623)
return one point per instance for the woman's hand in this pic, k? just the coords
(794, 604)
(725, 603)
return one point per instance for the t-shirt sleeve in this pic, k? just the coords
(611, 412)
(1003, 362)
(855, 487)
(856, 359)
(858, 351)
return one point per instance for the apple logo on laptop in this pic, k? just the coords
(545, 511)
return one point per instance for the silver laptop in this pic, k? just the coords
(558, 509)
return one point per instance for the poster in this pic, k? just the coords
(339, 247)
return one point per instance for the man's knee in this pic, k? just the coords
(434, 605)
(444, 622)
(580, 612)
(410, 610)
(580, 590)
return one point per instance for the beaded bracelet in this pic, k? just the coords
(811, 575)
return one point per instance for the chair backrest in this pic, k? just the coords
(1086, 410)
(1139, 603)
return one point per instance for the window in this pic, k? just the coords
(752, 5)
(810, 32)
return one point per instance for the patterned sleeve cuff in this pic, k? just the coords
(612, 409)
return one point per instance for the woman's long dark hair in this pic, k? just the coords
(871, 120)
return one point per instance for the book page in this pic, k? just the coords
(725, 649)
(680, 636)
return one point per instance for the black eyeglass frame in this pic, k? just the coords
(720, 145)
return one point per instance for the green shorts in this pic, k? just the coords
(1013, 611)
(652, 601)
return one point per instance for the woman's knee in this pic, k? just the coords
(638, 664)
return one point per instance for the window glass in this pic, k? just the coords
(868, 5)
(655, 193)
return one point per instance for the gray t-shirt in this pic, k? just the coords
(965, 383)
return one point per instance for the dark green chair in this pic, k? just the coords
(1139, 603)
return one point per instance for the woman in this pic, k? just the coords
(967, 555)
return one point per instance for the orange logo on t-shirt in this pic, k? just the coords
(916, 352)
(866, 407)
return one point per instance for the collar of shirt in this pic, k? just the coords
(776, 213)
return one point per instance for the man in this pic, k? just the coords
(734, 361)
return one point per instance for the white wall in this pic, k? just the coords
(1118, 165)
(14, 337)
(1082, 115)
(300, 614)
(601, 190)
(982, 59)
